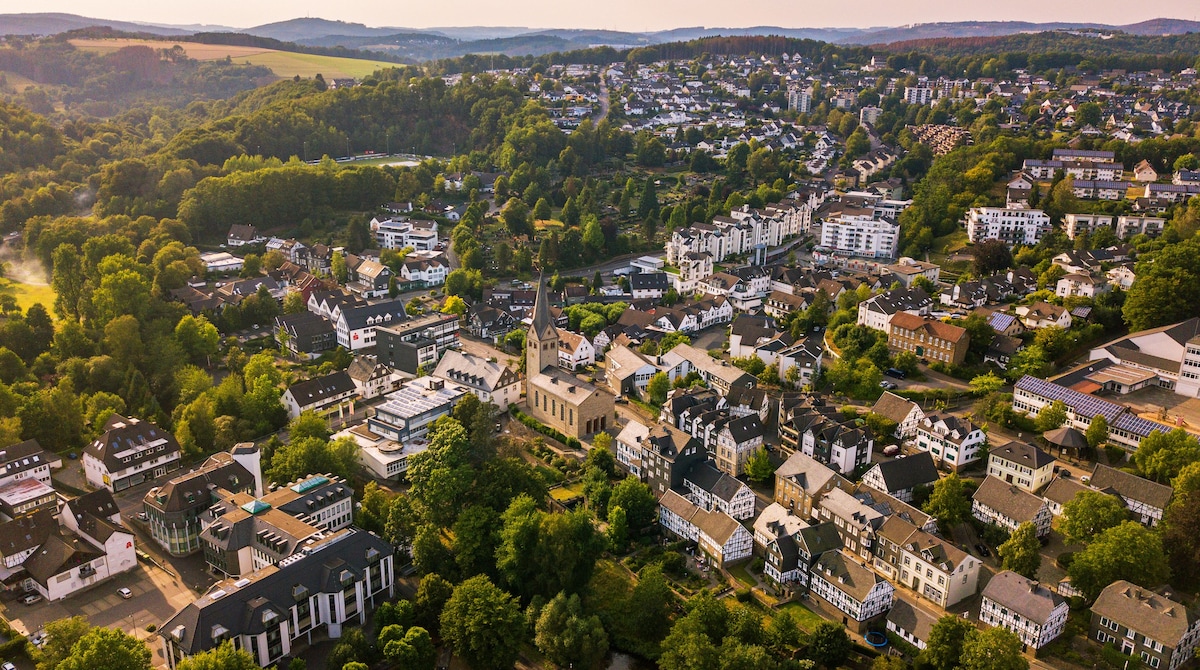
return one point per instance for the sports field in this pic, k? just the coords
(282, 63)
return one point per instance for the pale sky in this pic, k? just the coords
(632, 15)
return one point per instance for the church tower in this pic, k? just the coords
(541, 342)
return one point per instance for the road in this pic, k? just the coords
(604, 101)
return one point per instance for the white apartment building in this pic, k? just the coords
(1035, 613)
(403, 232)
(860, 235)
(1123, 226)
(922, 94)
(742, 232)
(1013, 225)
(129, 452)
(951, 440)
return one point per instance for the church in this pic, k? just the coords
(555, 397)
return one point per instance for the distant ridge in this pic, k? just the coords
(445, 42)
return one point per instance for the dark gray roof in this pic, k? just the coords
(746, 428)
(818, 539)
(192, 490)
(276, 588)
(58, 554)
(315, 390)
(1008, 499)
(908, 617)
(356, 317)
(1131, 487)
(905, 473)
(648, 281)
(99, 503)
(706, 476)
(26, 532)
(23, 456)
(132, 436)
(1023, 596)
(1023, 453)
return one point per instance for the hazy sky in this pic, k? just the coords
(634, 15)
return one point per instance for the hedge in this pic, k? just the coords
(534, 424)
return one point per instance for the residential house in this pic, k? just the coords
(774, 522)
(425, 272)
(1035, 613)
(1061, 491)
(905, 413)
(627, 371)
(1147, 500)
(717, 535)
(877, 312)
(747, 332)
(416, 344)
(241, 234)
(315, 395)
(937, 570)
(1150, 626)
(355, 325)
(372, 378)
(801, 481)
(660, 456)
(129, 452)
(711, 489)
(487, 322)
(1022, 464)
(575, 351)
(789, 557)
(490, 381)
(173, 510)
(1043, 314)
(900, 477)
(305, 334)
(649, 285)
(846, 589)
(953, 442)
(27, 460)
(910, 623)
(1007, 505)
(1013, 225)
(1080, 285)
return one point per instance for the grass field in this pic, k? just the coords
(567, 492)
(805, 618)
(282, 63)
(28, 294)
(17, 82)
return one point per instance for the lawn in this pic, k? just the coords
(948, 244)
(567, 491)
(282, 63)
(743, 575)
(805, 618)
(28, 294)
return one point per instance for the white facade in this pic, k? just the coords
(954, 443)
(864, 236)
(1034, 633)
(403, 232)
(1012, 225)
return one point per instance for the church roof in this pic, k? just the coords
(543, 324)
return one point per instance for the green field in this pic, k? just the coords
(805, 618)
(28, 294)
(567, 491)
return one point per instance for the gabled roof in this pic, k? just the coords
(846, 575)
(1024, 596)
(809, 474)
(314, 391)
(26, 532)
(905, 473)
(132, 439)
(707, 477)
(910, 618)
(1024, 454)
(894, 407)
(1062, 490)
(1131, 487)
(1007, 499)
(1155, 616)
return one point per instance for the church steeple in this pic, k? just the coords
(541, 342)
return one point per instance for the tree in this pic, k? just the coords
(516, 217)
(759, 467)
(567, 636)
(829, 645)
(618, 529)
(990, 257)
(483, 624)
(61, 636)
(541, 210)
(637, 500)
(1051, 416)
(1097, 432)
(454, 305)
(1167, 289)
(1090, 513)
(542, 554)
(1021, 552)
(1161, 456)
(985, 384)
(656, 389)
(1088, 114)
(1129, 551)
(415, 650)
(593, 236)
(304, 456)
(198, 337)
(1032, 360)
(993, 649)
(649, 199)
(224, 657)
(947, 637)
(432, 594)
(1179, 537)
(949, 502)
(337, 266)
(107, 648)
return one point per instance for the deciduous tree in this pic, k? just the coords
(1090, 513)
(483, 624)
(1021, 552)
(1129, 551)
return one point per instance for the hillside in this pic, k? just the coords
(54, 23)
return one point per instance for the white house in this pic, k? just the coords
(952, 441)
(1022, 464)
(906, 413)
(1081, 285)
(314, 395)
(402, 232)
(129, 452)
(711, 489)
(718, 535)
(432, 271)
(1043, 314)
(860, 235)
(1035, 613)
(574, 351)
(877, 312)
(850, 590)
(490, 380)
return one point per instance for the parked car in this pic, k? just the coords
(31, 598)
(142, 516)
(885, 384)
(982, 549)
(891, 450)
(895, 372)
(8, 666)
(125, 593)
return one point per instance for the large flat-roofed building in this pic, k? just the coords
(407, 414)
(1011, 224)
(25, 496)
(411, 345)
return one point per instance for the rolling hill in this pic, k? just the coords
(54, 23)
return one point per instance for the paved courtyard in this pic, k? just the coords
(1160, 404)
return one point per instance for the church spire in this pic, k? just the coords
(543, 323)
